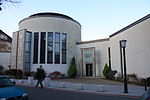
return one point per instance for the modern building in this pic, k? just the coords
(5, 49)
(52, 39)
(47, 39)
(5, 42)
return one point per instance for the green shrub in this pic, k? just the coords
(72, 72)
(106, 71)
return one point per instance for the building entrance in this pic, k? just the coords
(89, 69)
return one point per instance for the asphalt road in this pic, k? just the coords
(55, 94)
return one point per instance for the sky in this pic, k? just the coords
(98, 18)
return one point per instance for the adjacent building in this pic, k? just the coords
(5, 49)
(5, 42)
(52, 39)
(93, 55)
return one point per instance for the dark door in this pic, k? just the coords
(89, 69)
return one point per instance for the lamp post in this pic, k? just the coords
(121, 60)
(123, 45)
(0, 5)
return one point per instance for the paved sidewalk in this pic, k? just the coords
(113, 88)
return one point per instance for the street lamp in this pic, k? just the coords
(123, 45)
(0, 5)
(121, 60)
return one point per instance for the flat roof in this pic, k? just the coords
(93, 41)
(50, 14)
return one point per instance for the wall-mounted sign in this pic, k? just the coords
(88, 55)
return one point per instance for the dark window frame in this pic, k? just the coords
(50, 44)
(35, 49)
(57, 50)
(42, 47)
(64, 48)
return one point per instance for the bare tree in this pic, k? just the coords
(8, 1)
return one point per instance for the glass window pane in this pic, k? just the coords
(57, 37)
(64, 37)
(64, 48)
(57, 47)
(28, 37)
(35, 50)
(50, 47)
(27, 66)
(63, 58)
(27, 47)
(50, 36)
(27, 57)
(57, 58)
(42, 48)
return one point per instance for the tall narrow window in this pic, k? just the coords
(109, 56)
(50, 47)
(42, 47)
(35, 50)
(57, 48)
(64, 48)
(27, 52)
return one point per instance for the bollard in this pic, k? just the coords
(62, 85)
(47, 82)
(20, 81)
(79, 87)
(100, 88)
(30, 80)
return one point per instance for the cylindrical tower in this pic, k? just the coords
(53, 41)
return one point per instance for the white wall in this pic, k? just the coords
(5, 59)
(49, 68)
(101, 55)
(137, 49)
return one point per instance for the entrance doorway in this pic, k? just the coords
(89, 69)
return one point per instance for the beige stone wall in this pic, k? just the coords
(13, 50)
(20, 48)
(137, 49)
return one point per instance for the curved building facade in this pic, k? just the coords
(52, 39)
(47, 39)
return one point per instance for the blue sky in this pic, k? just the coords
(99, 18)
